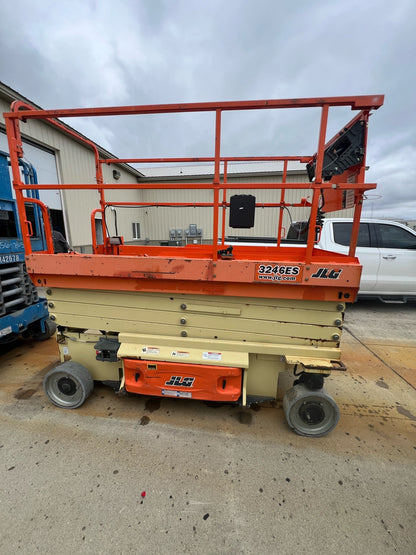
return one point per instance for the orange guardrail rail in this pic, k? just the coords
(211, 268)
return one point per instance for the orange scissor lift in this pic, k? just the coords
(206, 321)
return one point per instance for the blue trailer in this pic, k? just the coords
(22, 311)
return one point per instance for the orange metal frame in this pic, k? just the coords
(296, 272)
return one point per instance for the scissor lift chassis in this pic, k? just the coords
(203, 321)
(206, 347)
(198, 329)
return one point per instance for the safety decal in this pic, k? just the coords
(279, 273)
(180, 354)
(207, 355)
(151, 350)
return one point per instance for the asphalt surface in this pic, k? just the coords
(142, 475)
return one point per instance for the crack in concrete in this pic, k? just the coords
(378, 357)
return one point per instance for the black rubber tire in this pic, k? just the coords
(310, 413)
(50, 329)
(68, 385)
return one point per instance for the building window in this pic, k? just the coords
(136, 230)
(99, 231)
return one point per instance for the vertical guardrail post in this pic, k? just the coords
(216, 183)
(224, 202)
(318, 182)
(282, 200)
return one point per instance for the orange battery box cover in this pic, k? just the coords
(191, 381)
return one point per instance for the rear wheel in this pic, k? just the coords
(50, 329)
(68, 385)
(310, 413)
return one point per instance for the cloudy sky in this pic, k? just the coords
(83, 53)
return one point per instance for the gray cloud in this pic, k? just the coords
(79, 53)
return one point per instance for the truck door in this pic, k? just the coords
(398, 259)
(368, 255)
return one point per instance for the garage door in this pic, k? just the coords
(44, 162)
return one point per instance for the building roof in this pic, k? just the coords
(11, 95)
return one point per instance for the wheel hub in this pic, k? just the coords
(312, 412)
(67, 386)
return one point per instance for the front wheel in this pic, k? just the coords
(68, 385)
(310, 413)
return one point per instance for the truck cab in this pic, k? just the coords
(22, 311)
(387, 251)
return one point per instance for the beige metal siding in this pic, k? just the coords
(160, 220)
(266, 219)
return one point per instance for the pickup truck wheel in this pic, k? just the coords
(310, 413)
(68, 385)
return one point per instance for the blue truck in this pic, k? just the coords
(22, 311)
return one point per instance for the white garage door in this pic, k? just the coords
(45, 165)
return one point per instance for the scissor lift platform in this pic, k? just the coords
(207, 321)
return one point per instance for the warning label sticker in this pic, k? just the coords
(208, 355)
(180, 354)
(151, 350)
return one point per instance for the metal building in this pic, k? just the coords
(176, 224)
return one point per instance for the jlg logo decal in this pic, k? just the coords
(180, 381)
(327, 273)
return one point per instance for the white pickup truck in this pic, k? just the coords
(386, 250)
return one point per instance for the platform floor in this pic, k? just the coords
(217, 479)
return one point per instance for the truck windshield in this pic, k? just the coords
(7, 224)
